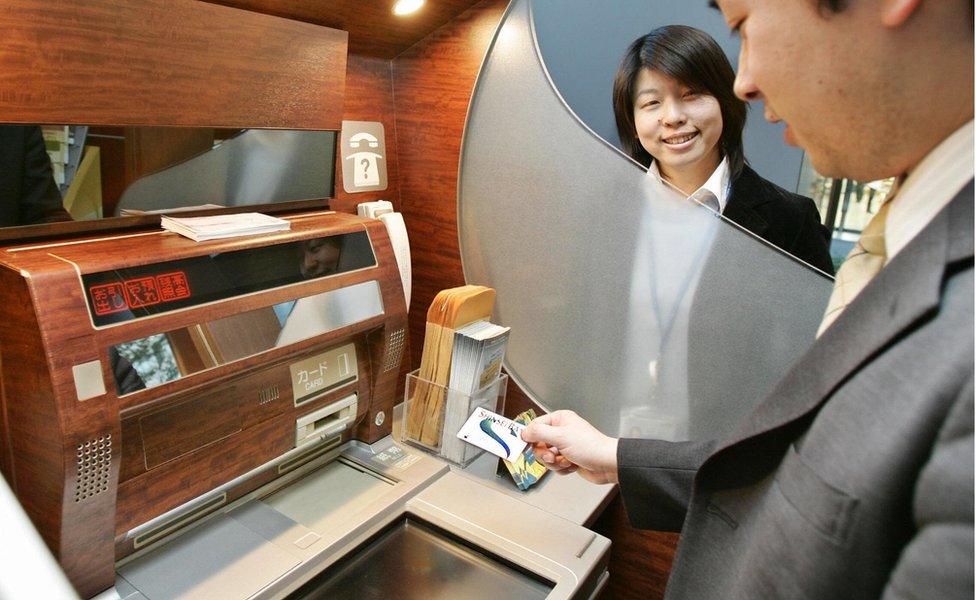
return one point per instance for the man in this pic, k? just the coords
(854, 477)
(28, 194)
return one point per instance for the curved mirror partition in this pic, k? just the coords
(605, 29)
(644, 311)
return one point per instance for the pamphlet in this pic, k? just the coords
(476, 361)
(224, 226)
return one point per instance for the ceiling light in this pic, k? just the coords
(405, 7)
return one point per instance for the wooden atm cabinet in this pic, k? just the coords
(143, 370)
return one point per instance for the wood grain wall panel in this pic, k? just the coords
(640, 561)
(152, 149)
(167, 62)
(432, 83)
(373, 28)
(111, 152)
(369, 97)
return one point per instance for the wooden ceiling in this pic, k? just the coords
(373, 28)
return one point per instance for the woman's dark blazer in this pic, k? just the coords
(788, 221)
(721, 325)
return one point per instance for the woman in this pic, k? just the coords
(677, 115)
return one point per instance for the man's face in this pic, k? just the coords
(814, 71)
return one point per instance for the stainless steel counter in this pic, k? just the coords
(311, 525)
(568, 496)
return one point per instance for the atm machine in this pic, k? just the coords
(213, 420)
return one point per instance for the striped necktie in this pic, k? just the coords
(863, 262)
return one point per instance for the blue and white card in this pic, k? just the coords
(494, 433)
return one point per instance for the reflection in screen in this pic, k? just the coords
(255, 167)
(165, 357)
(152, 358)
(412, 561)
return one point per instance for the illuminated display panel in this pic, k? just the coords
(125, 294)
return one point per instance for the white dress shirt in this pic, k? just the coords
(928, 188)
(714, 193)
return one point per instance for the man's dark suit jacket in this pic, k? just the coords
(28, 193)
(854, 477)
(788, 221)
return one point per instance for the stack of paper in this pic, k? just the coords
(451, 309)
(475, 362)
(224, 226)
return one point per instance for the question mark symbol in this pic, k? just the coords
(365, 163)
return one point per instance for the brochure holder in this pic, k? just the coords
(448, 417)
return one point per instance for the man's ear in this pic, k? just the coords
(894, 13)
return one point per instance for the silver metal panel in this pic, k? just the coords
(331, 310)
(559, 551)
(278, 529)
(255, 167)
(88, 379)
(650, 317)
(245, 561)
(257, 548)
(337, 490)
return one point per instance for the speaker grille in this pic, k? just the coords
(94, 463)
(394, 351)
(268, 394)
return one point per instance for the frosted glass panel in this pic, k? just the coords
(650, 316)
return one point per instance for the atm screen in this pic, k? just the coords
(125, 294)
(415, 561)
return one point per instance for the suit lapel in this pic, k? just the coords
(906, 290)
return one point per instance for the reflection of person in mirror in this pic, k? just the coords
(127, 379)
(28, 193)
(853, 477)
(320, 256)
(677, 114)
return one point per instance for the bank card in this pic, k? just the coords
(525, 469)
(494, 433)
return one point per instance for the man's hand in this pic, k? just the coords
(565, 443)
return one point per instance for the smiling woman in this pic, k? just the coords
(677, 114)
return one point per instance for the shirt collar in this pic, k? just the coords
(929, 187)
(717, 184)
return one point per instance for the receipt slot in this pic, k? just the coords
(326, 421)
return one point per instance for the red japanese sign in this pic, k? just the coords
(139, 292)
(108, 298)
(173, 286)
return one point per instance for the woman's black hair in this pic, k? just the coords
(692, 57)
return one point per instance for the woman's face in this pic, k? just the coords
(678, 127)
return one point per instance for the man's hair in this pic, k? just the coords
(691, 57)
